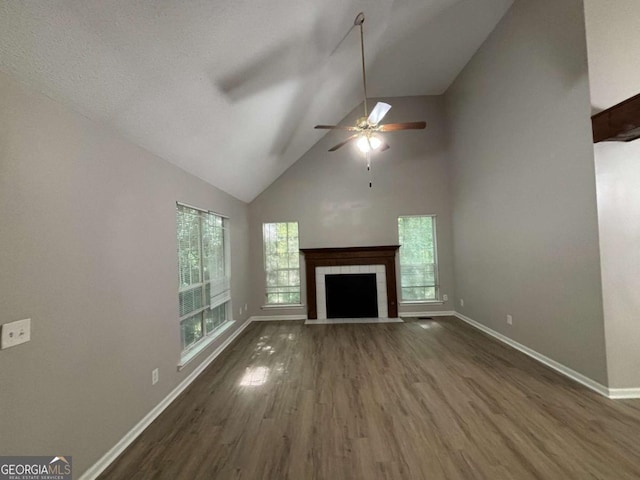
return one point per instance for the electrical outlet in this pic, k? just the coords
(245, 307)
(155, 376)
(15, 333)
(445, 298)
(509, 319)
(240, 310)
(461, 302)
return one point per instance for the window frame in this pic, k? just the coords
(190, 351)
(436, 283)
(267, 303)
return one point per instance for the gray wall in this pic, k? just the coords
(523, 186)
(88, 235)
(613, 40)
(329, 195)
(618, 177)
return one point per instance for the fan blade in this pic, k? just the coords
(378, 113)
(392, 127)
(336, 127)
(342, 144)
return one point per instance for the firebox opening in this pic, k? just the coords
(352, 295)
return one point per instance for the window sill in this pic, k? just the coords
(422, 302)
(281, 306)
(202, 344)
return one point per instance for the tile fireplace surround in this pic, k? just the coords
(379, 260)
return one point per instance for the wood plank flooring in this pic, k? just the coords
(426, 399)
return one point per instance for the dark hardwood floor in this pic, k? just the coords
(420, 400)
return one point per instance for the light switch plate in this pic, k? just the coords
(15, 333)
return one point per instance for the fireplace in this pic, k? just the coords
(323, 262)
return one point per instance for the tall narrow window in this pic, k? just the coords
(203, 261)
(418, 265)
(281, 263)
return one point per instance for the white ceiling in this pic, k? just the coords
(229, 90)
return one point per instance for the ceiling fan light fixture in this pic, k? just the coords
(367, 143)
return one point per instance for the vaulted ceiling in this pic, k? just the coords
(230, 90)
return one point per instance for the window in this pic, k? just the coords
(204, 291)
(281, 262)
(418, 266)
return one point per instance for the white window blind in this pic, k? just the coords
(203, 263)
(418, 265)
(215, 246)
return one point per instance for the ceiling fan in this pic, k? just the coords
(367, 126)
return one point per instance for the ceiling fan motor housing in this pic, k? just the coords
(362, 123)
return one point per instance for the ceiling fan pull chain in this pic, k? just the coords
(368, 156)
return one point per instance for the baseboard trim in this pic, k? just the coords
(449, 313)
(557, 366)
(106, 460)
(276, 318)
(624, 393)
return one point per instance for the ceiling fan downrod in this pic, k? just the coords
(359, 21)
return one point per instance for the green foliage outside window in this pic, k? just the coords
(418, 270)
(281, 262)
(201, 261)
